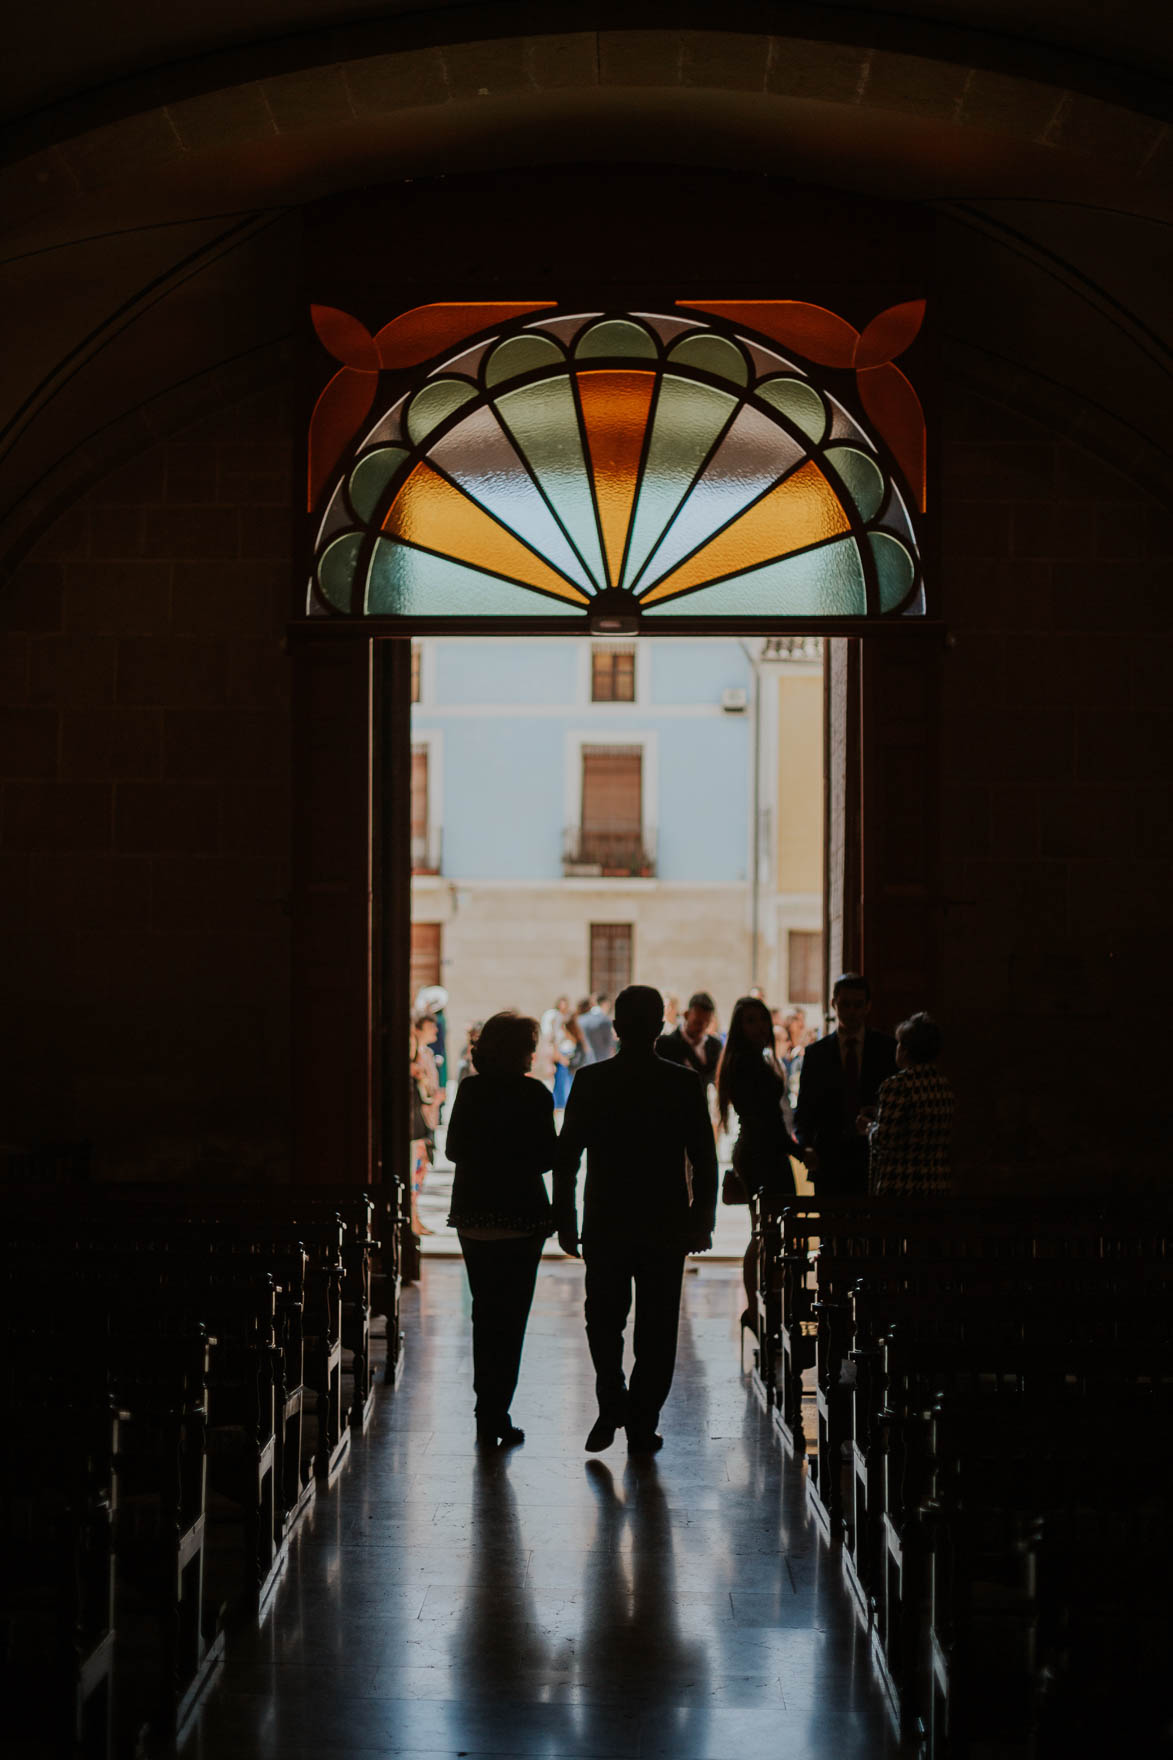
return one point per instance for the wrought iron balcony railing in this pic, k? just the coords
(609, 855)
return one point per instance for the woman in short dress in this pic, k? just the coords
(501, 1139)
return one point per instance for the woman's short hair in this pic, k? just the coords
(505, 1044)
(921, 1038)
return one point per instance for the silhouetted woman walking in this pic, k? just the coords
(751, 1082)
(501, 1140)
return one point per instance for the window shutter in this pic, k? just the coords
(612, 790)
(425, 956)
(805, 959)
(419, 794)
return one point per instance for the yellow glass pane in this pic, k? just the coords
(615, 409)
(433, 513)
(798, 512)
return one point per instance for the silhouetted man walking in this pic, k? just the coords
(637, 1117)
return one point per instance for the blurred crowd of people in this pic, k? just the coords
(754, 1069)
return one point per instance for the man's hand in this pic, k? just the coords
(568, 1239)
(698, 1243)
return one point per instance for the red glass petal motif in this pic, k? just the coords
(339, 411)
(896, 410)
(889, 334)
(615, 408)
(815, 332)
(427, 330)
(348, 340)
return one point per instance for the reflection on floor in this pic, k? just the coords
(544, 1603)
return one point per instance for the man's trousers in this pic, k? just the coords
(656, 1272)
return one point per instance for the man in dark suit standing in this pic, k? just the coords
(638, 1118)
(841, 1077)
(691, 1044)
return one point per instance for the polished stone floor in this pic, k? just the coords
(548, 1603)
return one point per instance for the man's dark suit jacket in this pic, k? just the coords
(637, 1117)
(819, 1117)
(676, 1049)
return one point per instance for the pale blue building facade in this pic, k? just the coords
(513, 902)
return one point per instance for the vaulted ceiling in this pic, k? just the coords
(156, 160)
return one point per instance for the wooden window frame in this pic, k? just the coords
(613, 672)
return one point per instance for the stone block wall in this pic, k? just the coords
(144, 810)
(1057, 837)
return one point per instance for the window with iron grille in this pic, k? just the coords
(425, 955)
(611, 826)
(612, 947)
(613, 672)
(805, 960)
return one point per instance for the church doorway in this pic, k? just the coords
(614, 486)
(591, 813)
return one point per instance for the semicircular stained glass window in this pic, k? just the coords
(658, 466)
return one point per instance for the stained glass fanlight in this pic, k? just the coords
(652, 465)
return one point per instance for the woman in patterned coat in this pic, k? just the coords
(911, 1133)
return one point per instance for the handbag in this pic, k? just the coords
(733, 1187)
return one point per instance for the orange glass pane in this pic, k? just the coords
(433, 513)
(426, 330)
(615, 409)
(800, 511)
(815, 332)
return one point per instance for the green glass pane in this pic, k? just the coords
(521, 354)
(370, 477)
(827, 582)
(798, 401)
(616, 336)
(336, 569)
(687, 420)
(543, 422)
(754, 453)
(894, 566)
(479, 455)
(712, 354)
(433, 403)
(862, 477)
(414, 583)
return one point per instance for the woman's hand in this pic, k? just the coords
(568, 1239)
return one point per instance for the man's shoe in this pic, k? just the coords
(644, 1442)
(602, 1433)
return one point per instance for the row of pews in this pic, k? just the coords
(183, 1369)
(981, 1392)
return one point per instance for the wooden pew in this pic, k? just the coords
(921, 1296)
(57, 1564)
